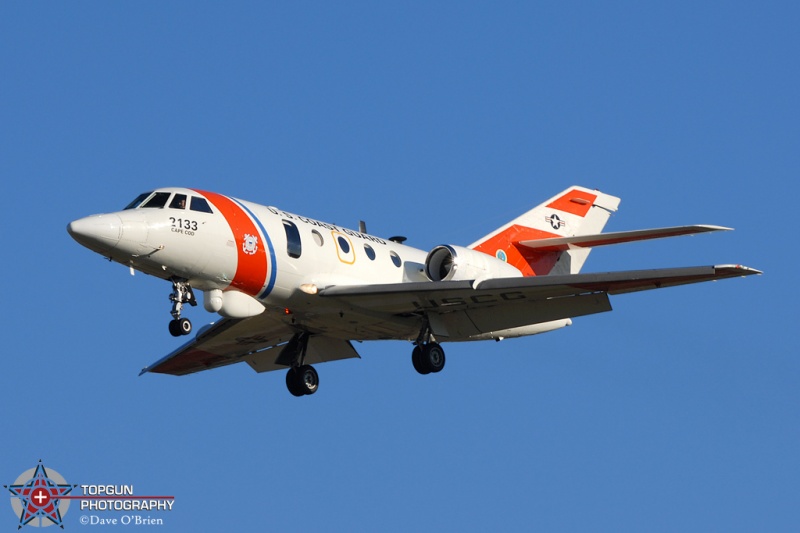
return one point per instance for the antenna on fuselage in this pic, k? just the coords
(362, 228)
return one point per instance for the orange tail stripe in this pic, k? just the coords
(575, 202)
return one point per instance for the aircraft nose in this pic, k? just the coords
(98, 232)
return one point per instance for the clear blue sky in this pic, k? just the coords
(678, 411)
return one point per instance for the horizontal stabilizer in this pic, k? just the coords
(602, 239)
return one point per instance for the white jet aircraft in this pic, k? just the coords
(294, 291)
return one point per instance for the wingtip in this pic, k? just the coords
(712, 227)
(740, 269)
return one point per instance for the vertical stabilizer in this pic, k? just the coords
(575, 211)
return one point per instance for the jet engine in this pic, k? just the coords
(455, 263)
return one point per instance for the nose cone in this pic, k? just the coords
(99, 232)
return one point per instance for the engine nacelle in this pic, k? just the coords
(231, 304)
(455, 263)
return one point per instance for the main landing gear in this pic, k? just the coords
(301, 379)
(428, 355)
(181, 294)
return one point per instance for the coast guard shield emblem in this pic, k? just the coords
(250, 244)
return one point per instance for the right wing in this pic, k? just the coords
(251, 340)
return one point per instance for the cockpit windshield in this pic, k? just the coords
(139, 199)
(178, 202)
(159, 199)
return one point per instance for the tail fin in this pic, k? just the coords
(574, 212)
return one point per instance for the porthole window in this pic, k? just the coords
(317, 237)
(343, 245)
(395, 259)
(370, 252)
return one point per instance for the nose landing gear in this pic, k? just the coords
(301, 379)
(181, 294)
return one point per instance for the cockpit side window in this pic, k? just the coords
(158, 200)
(178, 202)
(139, 199)
(200, 204)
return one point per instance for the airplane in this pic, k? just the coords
(293, 291)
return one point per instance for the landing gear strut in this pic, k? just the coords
(181, 294)
(301, 379)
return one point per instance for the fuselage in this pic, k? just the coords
(218, 243)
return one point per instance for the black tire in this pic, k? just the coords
(174, 329)
(292, 383)
(184, 326)
(307, 379)
(433, 357)
(416, 360)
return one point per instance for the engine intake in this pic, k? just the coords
(455, 263)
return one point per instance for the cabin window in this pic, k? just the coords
(293, 245)
(396, 259)
(158, 200)
(178, 202)
(343, 245)
(200, 204)
(139, 199)
(317, 237)
(370, 252)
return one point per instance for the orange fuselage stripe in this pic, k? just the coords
(251, 268)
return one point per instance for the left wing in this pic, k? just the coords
(252, 340)
(461, 309)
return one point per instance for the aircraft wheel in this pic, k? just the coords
(308, 379)
(416, 360)
(174, 329)
(302, 380)
(293, 383)
(184, 326)
(433, 357)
